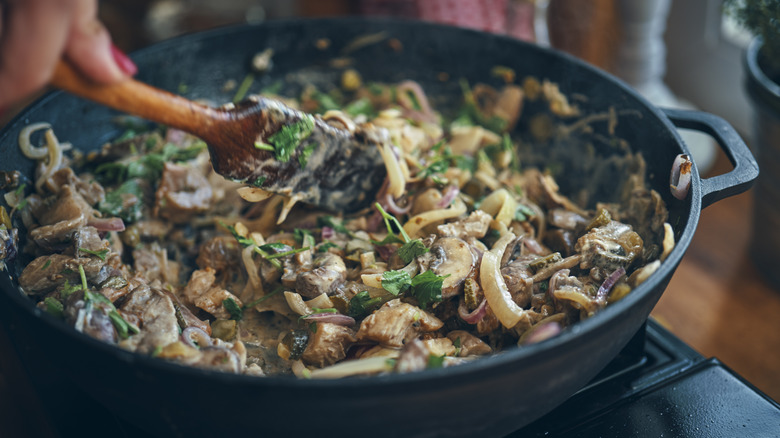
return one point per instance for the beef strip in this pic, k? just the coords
(396, 322)
(328, 344)
(157, 319)
(182, 193)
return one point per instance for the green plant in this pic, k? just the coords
(762, 19)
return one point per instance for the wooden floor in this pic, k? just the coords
(718, 302)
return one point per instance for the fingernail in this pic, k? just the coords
(123, 61)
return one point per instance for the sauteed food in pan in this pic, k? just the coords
(467, 250)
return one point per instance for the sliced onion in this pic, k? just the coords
(448, 196)
(333, 318)
(496, 291)
(370, 365)
(609, 282)
(542, 332)
(392, 207)
(425, 113)
(107, 224)
(195, 337)
(328, 233)
(25, 145)
(680, 179)
(475, 316)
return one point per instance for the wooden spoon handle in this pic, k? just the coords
(134, 97)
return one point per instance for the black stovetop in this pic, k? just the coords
(656, 387)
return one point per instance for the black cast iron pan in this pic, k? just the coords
(490, 397)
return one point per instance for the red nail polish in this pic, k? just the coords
(123, 61)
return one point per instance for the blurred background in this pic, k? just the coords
(681, 54)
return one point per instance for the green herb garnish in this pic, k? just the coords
(426, 288)
(259, 181)
(287, 139)
(99, 254)
(116, 204)
(243, 89)
(412, 249)
(235, 311)
(330, 221)
(54, 307)
(303, 158)
(325, 246)
(391, 221)
(396, 282)
(435, 361)
(362, 304)
(46, 265)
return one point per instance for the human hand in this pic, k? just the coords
(36, 34)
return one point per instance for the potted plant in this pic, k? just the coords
(762, 83)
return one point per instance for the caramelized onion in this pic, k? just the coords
(609, 282)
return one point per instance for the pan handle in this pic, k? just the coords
(745, 170)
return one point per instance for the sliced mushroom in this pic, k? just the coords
(328, 273)
(452, 258)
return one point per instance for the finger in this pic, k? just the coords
(33, 38)
(90, 49)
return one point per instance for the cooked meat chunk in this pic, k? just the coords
(328, 344)
(45, 273)
(60, 216)
(413, 357)
(219, 253)
(200, 282)
(157, 320)
(568, 220)
(327, 274)
(609, 247)
(211, 302)
(517, 276)
(470, 345)
(182, 193)
(92, 192)
(439, 346)
(475, 225)
(396, 322)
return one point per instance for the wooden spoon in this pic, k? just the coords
(260, 142)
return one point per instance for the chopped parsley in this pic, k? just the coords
(123, 328)
(243, 89)
(99, 254)
(116, 203)
(362, 304)
(54, 307)
(435, 361)
(325, 246)
(287, 139)
(412, 249)
(259, 181)
(396, 282)
(264, 146)
(303, 158)
(235, 311)
(523, 212)
(426, 288)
